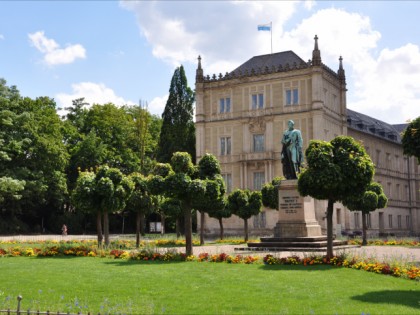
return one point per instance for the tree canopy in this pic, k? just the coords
(373, 198)
(411, 139)
(178, 131)
(33, 158)
(245, 204)
(270, 193)
(336, 171)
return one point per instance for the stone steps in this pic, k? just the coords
(294, 243)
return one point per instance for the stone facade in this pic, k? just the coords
(241, 116)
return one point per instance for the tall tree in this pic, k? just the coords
(373, 198)
(339, 170)
(145, 137)
(32, 151)
(245, 204)
(213, 199)
(411, 139)
(178, 130)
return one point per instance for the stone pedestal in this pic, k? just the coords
(296, 213)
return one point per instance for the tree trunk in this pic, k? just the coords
(99, 227)
(246, 229)
(142, 218)
(178, 233)
(188, 229)
(221, 229)
(330, 210)
(138, 222)
(162, 220)
(364, 225)
(106, 228)
(201, 228)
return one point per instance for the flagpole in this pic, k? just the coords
(271, 31)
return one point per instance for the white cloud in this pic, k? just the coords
(157, 105)
(219, 31)
(381, 83)
(390, 87)
(94, 93)
(1, 36)
(53, 54)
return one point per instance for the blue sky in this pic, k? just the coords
(126, 51)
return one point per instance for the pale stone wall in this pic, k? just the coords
(320, 114)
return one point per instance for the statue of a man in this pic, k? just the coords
(291, 153)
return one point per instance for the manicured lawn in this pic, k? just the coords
(129, 287)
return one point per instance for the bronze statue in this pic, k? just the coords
(291, 153)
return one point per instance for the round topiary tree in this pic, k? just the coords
(245, 204)
(270, 193)
(339, 170)
(373, 198)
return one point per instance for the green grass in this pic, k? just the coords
(117, 286)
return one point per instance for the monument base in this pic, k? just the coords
(298, 229)
(297, 226)
(296, 213)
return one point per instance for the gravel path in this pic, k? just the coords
(382, 253)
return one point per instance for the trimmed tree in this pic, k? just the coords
(339, 170)
(102, 192)
(178, 131)
(270, 193)
(373, 198)
(411, 139)
(172, 208)
(220, 211)
(212, 200)
(245, 204)
(140, 202)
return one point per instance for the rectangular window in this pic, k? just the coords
(399, 221)
(407, 221)
(368, 221)
(390, 221)
(225, 146)
(259, 180)
(356, 220)
(257, 101)
(338, 216)
(228, 182)
(292, 97)
(258, 145)
(224, 105)
(260, 220)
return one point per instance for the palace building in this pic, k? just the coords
(241, 116)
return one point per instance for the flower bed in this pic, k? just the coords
(391, 242)
(90, 250)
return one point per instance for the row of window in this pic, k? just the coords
(257, 144)
(257, 101)
(358, 223)
(258, 181)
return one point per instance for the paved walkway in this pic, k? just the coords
(382, 253)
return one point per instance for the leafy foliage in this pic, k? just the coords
(102, 192)
(411, 139)
(32, 156)
(339, 170)
(209, 166)
(270, 193)
(336, 171)
(178, 130)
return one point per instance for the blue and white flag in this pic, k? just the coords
(264, 27)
